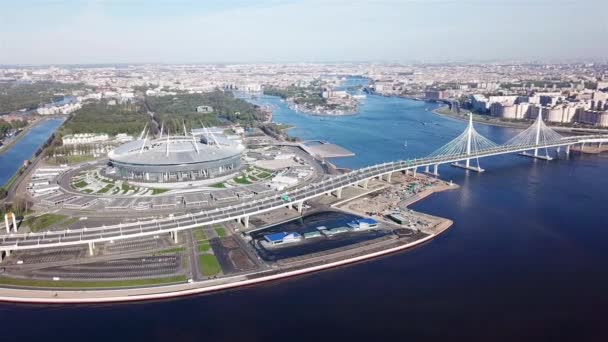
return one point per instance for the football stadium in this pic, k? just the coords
(201, 154)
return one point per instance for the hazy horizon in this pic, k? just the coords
(38, 32)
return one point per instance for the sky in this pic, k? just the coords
(232, 31)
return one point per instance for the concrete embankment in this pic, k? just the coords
(50, 296)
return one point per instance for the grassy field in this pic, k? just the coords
(242, 180)
(204, 246)
(221, 232)
(159, 191)
(126, 187)
(218, 185)
(263, 174)
(172, 250)
(105, 189)
(42, 222)
(91, 284)
(208, 264)
(80, 184)
(199, 234)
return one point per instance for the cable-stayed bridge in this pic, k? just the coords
(464, 151)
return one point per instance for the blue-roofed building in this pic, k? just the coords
(282, 238)
(364, 223)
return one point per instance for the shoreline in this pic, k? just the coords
(60, 296)
(6, 147)
(33, 295)
(522, 125)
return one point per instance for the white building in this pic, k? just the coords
(85, 138)
(58, 110)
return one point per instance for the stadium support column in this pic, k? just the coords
(91, 248)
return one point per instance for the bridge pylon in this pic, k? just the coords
(537, 134)
(465, 147)
(470, 135)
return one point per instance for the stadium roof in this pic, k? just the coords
(173, 150)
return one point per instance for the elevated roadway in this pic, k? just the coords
(293, 198)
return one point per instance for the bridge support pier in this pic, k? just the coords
(435, 170)
(364, 184)
(388, 177)
(246, 221)
(535, 155)
(91, 248)
(467, 166)
(300, 206)
(339, 193)
(8, 227)
(175, 237)
(426, 169)
(8, 223)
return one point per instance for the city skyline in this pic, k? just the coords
(99, 32)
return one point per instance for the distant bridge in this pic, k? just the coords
(461, 152)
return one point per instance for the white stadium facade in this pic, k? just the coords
(202, 154)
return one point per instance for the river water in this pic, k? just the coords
(526, 258)
(12, 159)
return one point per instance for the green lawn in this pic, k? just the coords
(42, 222)
(263, 174)
(105, 189)
(199, 234)
(204, 247)
(80, 184)
(242, 180)
(208, 264)
(90, 284)
(159, 191)
(172, 250)
(126, 187)
(221, 232)
(218, 185)
(88, 191)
